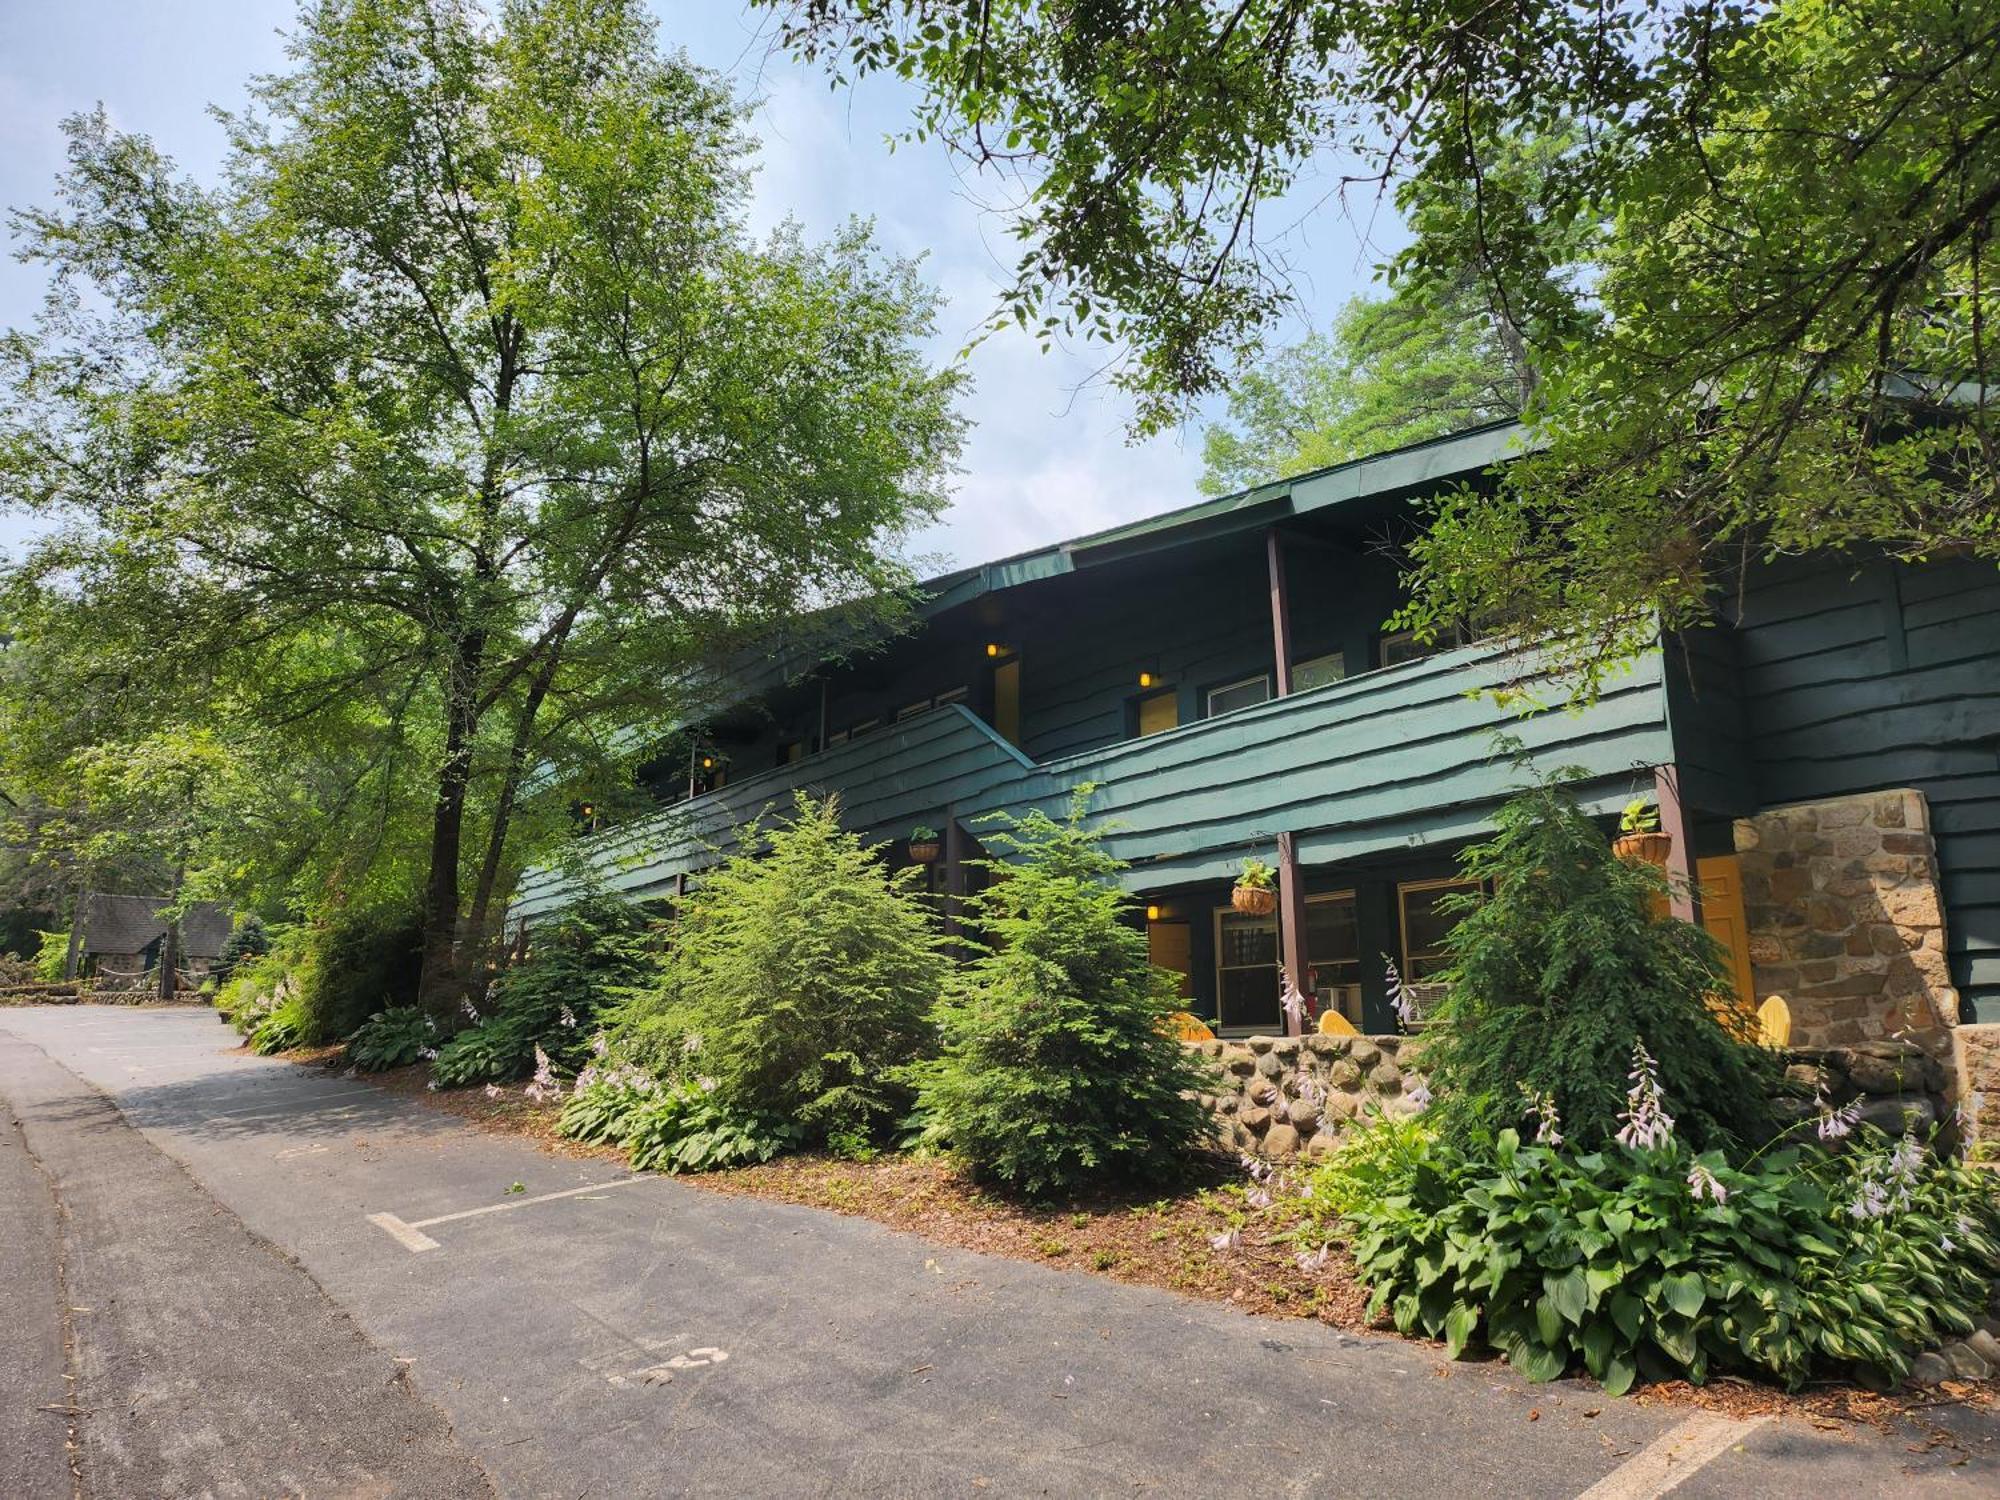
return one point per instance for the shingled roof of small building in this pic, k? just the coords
(130, 924)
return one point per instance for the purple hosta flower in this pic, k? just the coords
(1229, 1239)
(544, 1084)
(428, 1054)
(691, 1043)
(1702, 1183)
(1548, 1124)
(1885, 1188)
(706, 1084)
(1947, 1244)
(1258, 1170)
(1648, 1126)
(1309, 1261)
(471, 1010)
(1419, 1095)
(1836, 1124)
(1872, 1202)
(1312, 1091)
(432, 1085)
(1257, 1198)
(567, 1017)
(494, 1091)
(600, 1045)
(1399, 994)
(1293, 1004)
(584, 1079)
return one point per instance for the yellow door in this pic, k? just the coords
(1169, 947)
(1721, 878)
(1007, 700)
(1160, 711)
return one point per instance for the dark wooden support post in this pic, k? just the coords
(821, 745)
(1292, 927)
(1281, 614)
(954, 875)
(1685, 900)
(1291, 884)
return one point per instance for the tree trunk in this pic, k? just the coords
(439, 987)
(477, 926)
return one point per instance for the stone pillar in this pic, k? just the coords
(1845, 919)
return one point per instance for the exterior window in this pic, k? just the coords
(865, 726)
(837, 738)
(1333, 948)
(1400, 646)
(1159, 711)
(1234, 695)
(1318, 671)
(1246, 970)
(911, 710)
(790, 751)
(1425, 925)
(1246, 962)
(955, 695)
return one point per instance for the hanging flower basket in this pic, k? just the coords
(1643, 848)
(924, 846)
(1256, 893)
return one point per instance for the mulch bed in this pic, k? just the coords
(1149, 1240)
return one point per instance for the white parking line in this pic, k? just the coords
(408, 1234)
(1673, 1457)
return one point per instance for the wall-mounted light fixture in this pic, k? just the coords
(1153, 913)
(992, 648)
(1145, 679)
(708, 762)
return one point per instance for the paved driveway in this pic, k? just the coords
(337, 1289)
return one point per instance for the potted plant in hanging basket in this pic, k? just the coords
(1639, 837)
(1256, 893)
(924, 846)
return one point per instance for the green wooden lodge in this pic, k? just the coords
(1221, 675)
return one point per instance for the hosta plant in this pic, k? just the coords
(392, 1038)
(671, 1127)
(1647, 1259)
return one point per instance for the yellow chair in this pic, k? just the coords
(1188, 1028)
(1333, 1023)
(1774, 1021)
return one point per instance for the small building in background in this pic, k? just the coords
(119, 940)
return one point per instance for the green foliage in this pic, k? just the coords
(51, 956)
(1785, 340)
(1256, 875)
(260, 985)
(357, 961)
(801, 977)
(247, 939)
(672, 1127)
(284, 1026)
(1625, 1261)
(484, 472)
(1060, 1068)
(1639, 816)
(581, 961)
(1565, 963)
(392, 1038)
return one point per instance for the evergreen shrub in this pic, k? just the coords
(1566, 962)
(1060, 1067)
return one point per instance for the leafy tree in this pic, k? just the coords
(1060, 1068)
(1791, 336)
(468, 366)
(801, 976)
(1440, 353)
(1567, 962)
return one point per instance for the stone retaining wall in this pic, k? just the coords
(1286, 1096)
(1845, 920)
(1283, 1097)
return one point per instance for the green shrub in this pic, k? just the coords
(392, 1038)
(581, 961)
(247, 939)
(51, 956)
(799, 980)
(1660, 1263)
(283, 1027)
(259, 985)
(1059, 1067)
(357, 961)
(678, 1127)
(1563, 966)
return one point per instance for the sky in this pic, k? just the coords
(1048, 456)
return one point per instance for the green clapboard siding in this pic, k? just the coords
(1855, 676)
(1385, 762)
